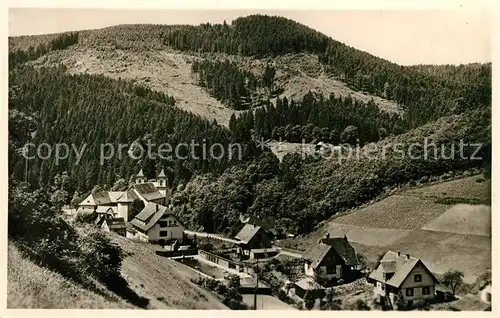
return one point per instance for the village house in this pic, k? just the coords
(116, 203)
(116, 225)
(404, 276)
(268, 223)
(333, 258)
(254, 242)
(156, 224)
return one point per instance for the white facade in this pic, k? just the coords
(332, 272)
(168, 227)
(123, 210)
(412, 288)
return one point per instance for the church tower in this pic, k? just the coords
(140, 178)
(161, 183)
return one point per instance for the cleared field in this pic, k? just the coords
(164, 282)
(167, 72)
(395, 212)
(463, 219)
(443, 236)
(280, 149)
(267, 302)
(30, 286)
(475, 187)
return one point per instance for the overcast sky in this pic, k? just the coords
(404, 37)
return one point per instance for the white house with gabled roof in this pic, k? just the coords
(403, 275)
(157, 224)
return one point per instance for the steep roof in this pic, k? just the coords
(97, 198)
(151, 213)
(101, 198)
(148, 191)
(317, 253)
(268, 223)
(115, 223)
(140, 174)
(400, 264)
(162, 174)
(89, 200)
(115, 195)
(344, 249)
(128, 196)
(247, 233)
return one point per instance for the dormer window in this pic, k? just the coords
(388, 276)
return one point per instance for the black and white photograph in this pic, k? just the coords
(249, 159)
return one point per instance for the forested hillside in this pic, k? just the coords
(301, 192)
(95, 110)
(234, 87)
(62, 103)
(425, 97)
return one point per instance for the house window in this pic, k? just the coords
(330, 269)
(163, 233)
(161, 182)
(426, 290)
(488, 297)
(382, 286)
(409, 292)
(417, 278)
(162, 223)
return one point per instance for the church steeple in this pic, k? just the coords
(161, 182)
(140, 178)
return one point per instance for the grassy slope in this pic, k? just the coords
(165, 283)
(391, 224)
(31, 286)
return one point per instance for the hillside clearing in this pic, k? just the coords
(395, 212)
(169, 71)
(475, 187)
(463, 219)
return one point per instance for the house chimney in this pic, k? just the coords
(345, 238)
(157, 207)
(327, 235)
(399, 254)
(407, 256)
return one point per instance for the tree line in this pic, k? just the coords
(231, 85)
(60, 42)
(319, 118)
